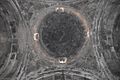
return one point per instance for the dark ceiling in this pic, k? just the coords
(59, 40)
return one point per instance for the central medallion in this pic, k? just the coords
(62, 34)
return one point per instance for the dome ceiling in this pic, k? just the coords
(59, 40)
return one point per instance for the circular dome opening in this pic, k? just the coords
(62, 34)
